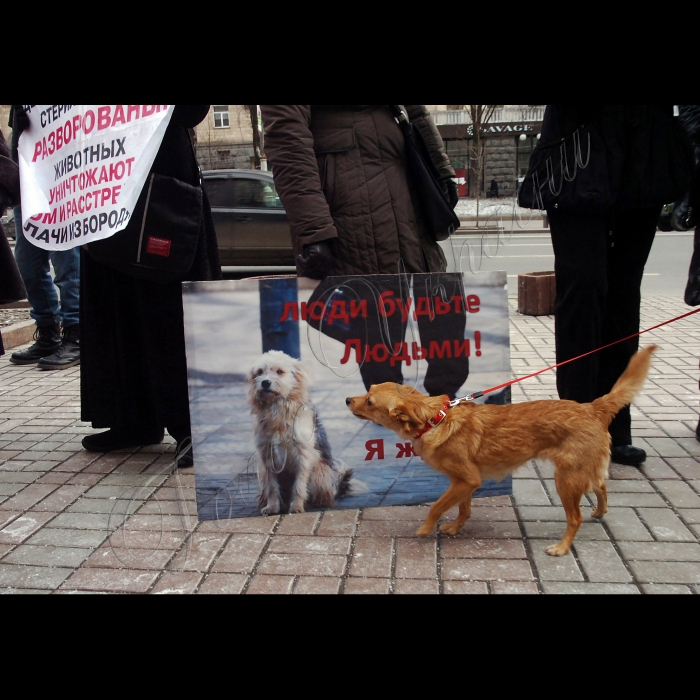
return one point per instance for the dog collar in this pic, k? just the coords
(434, 422)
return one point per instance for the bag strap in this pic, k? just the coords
(194, 154)
(399, 114)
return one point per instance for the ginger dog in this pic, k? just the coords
(471, 442)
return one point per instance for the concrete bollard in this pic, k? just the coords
(537, 292)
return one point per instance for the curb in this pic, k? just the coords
(516, 231)
(18, 334)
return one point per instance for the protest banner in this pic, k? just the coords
(83, 167)
(272, 360)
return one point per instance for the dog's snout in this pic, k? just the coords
(348, 401)
(266, 384)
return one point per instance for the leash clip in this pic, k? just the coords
(466, 399)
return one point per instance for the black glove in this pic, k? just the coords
(5, 200)
(316, 261)
(450, 187)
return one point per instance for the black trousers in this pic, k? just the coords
(599, 263)
(133, 363)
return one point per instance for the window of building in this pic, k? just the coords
(458, 152)
(222, 119)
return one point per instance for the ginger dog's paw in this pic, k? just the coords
(450, 529)
(557, 550)
(425, 531)
(599, 514)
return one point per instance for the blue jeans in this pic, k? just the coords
(33, 265)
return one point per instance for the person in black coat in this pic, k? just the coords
(11, 286)
(603, 172)
(134, 370)
(690, 116)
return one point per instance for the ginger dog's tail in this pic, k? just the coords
(626, 388)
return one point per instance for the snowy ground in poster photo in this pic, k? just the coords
(225, 340)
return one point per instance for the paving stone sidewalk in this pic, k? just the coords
(73, 522)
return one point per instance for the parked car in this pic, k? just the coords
(8, 224)
(251, 224)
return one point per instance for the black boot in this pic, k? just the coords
(183, 453)
(628, 455)
(123, 438)
(48, 341)
(68, 354)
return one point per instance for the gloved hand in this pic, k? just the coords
(452, 191)
(316, 261)
(5, 200)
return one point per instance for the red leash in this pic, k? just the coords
(473, 397)
(479, 394)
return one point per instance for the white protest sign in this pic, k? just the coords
(83, 167)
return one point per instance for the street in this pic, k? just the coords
(520, 253)
(666, 272)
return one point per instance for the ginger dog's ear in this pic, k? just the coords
(405, 412)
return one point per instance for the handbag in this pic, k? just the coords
(160, 243)
(431, 189)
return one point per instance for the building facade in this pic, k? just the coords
(509, 140)
(4, 118)
(225, 138)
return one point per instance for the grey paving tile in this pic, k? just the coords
(24, 527)
(555, 568)
(665, 589)
(666, 572)
(47, 556)
(87, 521)
(547, 514)
(601, 563)
(660, 551)
(679, 494)
(629, 486)
(625, 525)
(57, 537)
(690, 445)
(691, 518)
(529, 492)
(106, 505)
(657, 469)
(665, 525)
(589, 589)
(32, 577)
(552, 531)
(636, 500)
(486, 570)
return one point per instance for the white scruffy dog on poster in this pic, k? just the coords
(295, 464)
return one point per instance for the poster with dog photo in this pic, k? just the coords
(273, 365)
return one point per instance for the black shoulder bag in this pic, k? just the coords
(160, 242)
(431, 190)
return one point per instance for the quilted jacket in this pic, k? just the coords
(340, 172)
